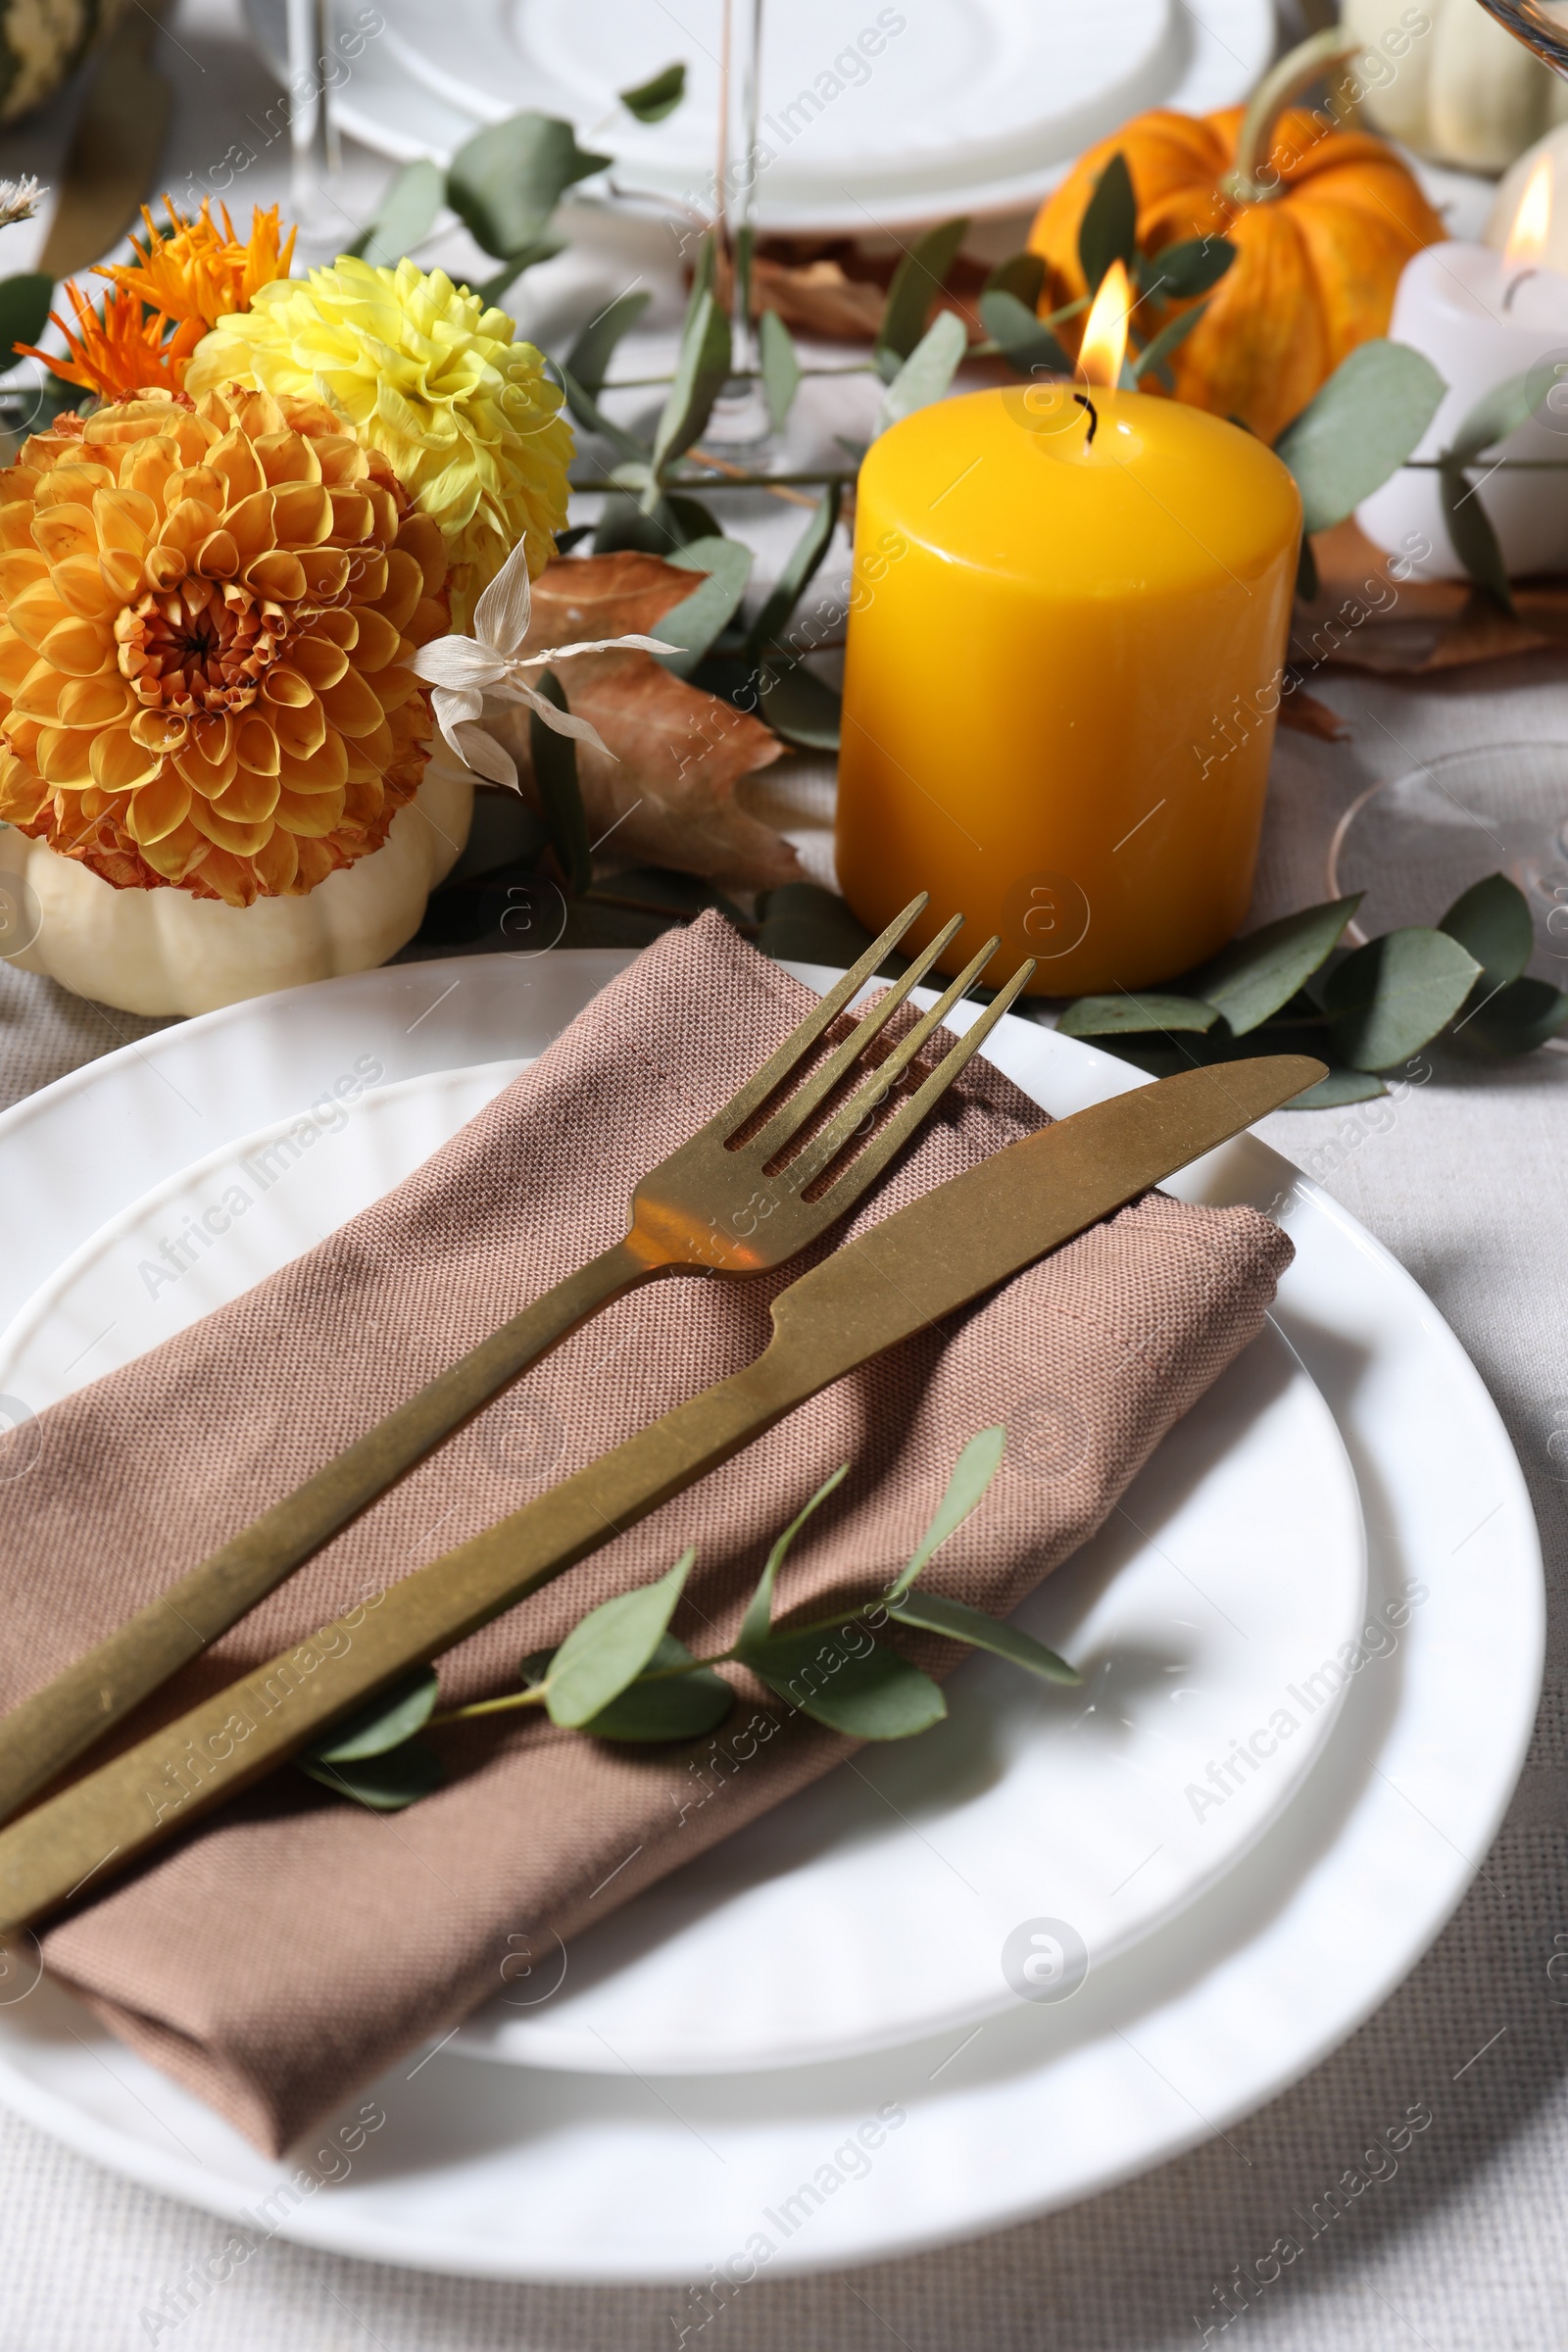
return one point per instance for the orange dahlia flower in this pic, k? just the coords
(208, 615)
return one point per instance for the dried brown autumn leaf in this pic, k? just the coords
(1364, 617)
(668, 793)
(1306, 715)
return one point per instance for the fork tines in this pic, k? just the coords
(808, 1165)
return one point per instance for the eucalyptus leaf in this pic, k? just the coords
(1254, 976)
(1193, 266)
(1021, 335)
(1154, 358)
(403, 216)
(651, 101)
(539, 249)
(506, 181)
(675, 523)
(916, 282)
(976, 1466)
(1134, 1011)
(800, 569)
(702, 369)
(1360, 428)
(756, 1624)
(1337, 1089)
(1023, 275)
(1390, 997)
(935, 1614)
(593, 419)
(927, 373)
(780, 366)
(1475, 542)
(24, 312)
(686, 1707)
(801, 922)
(1492, 920)
(796, 705)
(1108, 230)
(1500, 412)
(384, 1783)
(554, 772)
(612, 1645)
(694, 623)
(869, 1693)
(1516, 1020)
(395, 1716)
(587, 363)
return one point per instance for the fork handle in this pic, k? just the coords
(153, 1792)
(48, 1731)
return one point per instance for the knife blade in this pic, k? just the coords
(945, 1250)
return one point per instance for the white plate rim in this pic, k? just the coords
(1500, 1754)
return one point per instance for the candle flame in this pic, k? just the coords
(1105, 343)
(1532, 222)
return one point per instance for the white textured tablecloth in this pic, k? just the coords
(1465, 2247)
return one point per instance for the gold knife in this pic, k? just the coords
(945, 1250)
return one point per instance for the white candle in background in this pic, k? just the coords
(1481, 317)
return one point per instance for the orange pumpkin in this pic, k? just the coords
(1323, 221)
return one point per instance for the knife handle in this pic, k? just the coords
(55, 1725)
(152, 1791)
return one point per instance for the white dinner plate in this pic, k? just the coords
(974, 106)
(532, 2171)
(1233, 1572)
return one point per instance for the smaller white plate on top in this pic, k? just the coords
(876, 1906)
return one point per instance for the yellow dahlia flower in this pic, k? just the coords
(208, 614)
(424, 373)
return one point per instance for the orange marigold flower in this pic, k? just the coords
(186, 281)
(208, 615)
(122, 351)
(199, 271)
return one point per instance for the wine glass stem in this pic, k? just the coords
(740, 418)
(743, 42)
(317, 156)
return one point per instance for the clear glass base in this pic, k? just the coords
(1413, 844)
(740, 421)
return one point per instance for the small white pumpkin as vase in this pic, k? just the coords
(214, 756)
(163, 951)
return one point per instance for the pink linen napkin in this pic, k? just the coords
(294, 1946)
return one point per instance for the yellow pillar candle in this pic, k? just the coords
(1064, 655)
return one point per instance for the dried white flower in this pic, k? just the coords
(462, 670)
(20, 200)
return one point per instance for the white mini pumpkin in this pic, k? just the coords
(1450, 82)
(164, 950)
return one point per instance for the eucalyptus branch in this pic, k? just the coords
(621, 1674)
(1380, 1004)
(1497, 464)
(731, 481)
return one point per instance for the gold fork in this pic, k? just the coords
(729, 1201)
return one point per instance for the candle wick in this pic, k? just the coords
(1084, 402)
(1513, 286)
